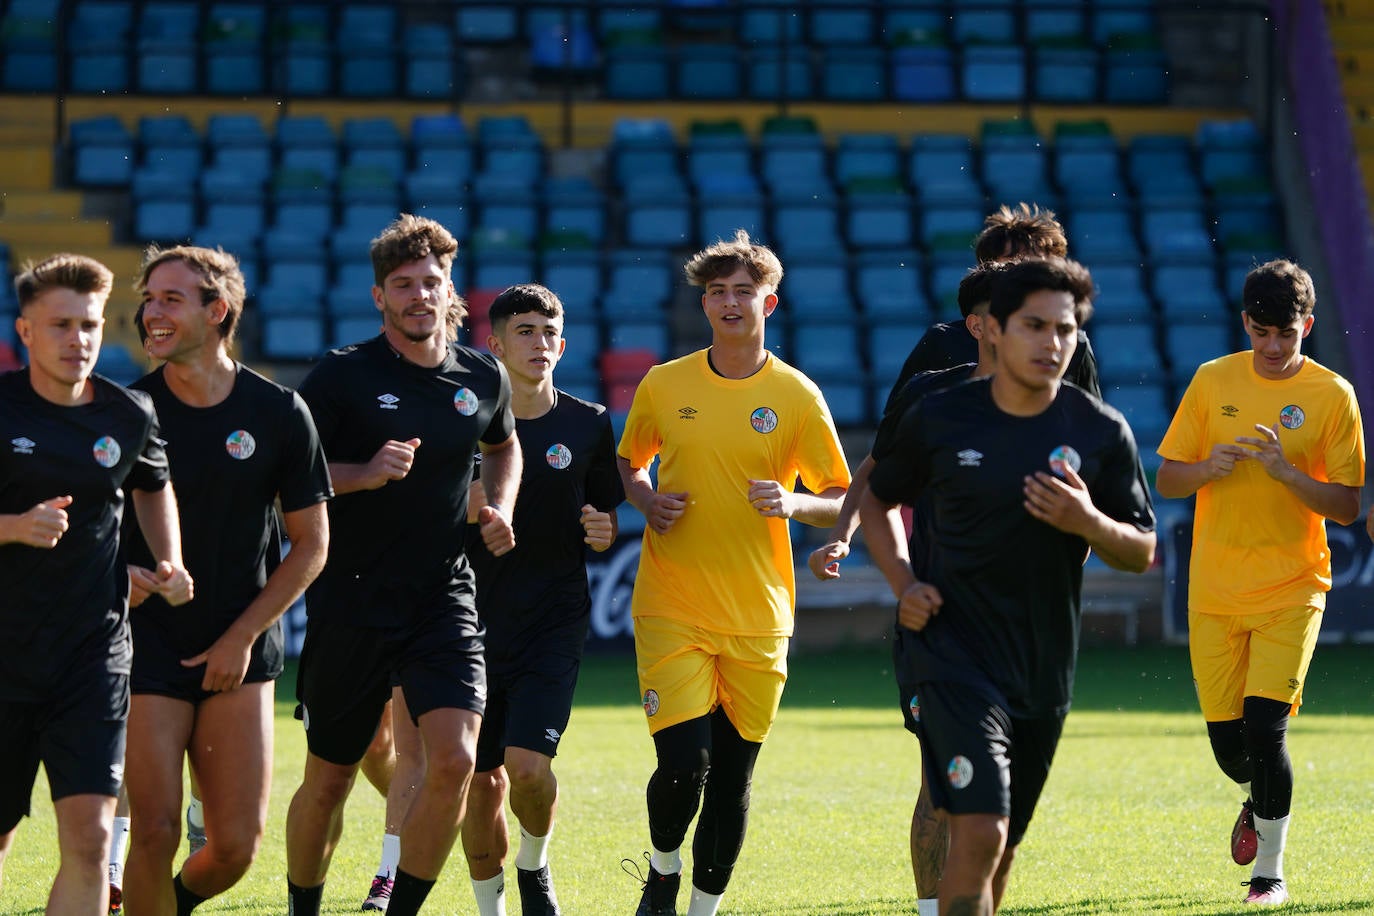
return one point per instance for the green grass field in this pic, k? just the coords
(1136, 817)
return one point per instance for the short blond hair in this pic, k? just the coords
(64, 270)
(725, 257)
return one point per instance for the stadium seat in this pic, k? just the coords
(779, 24)
(993, 73)
(1065, 74)
(1121, 297)
(782, 72)
(806, 228)
(891, 287)
(1190, 344)
(292, 337)
(1189, 292)
(1130, 353)
(818, 288)
(853, 74)
(577, 277)
(487, 24)
(708, 71)
(98, 48)
(639, 282)
(852, 24)
(879, 220)
(923, 73)
(637, 72)
(867, 155)
(994, 21)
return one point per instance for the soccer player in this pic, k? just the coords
(534, 601)
(76, 443)
(1271, 443)
(203, 675)
(400, 417)
(1007, 233)
(991, 634)
(734, 429)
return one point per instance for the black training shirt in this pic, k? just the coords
(229, 463)
(393, 549)
(65, 606)
(541, 585)
(1010, 582)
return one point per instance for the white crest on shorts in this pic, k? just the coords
(960, 772)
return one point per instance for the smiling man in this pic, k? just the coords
(1271, 443)
(401, 417)
(75, 444)
(734, 429)
(203, 675)
(1022, 475)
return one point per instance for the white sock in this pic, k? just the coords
(1273, 835)
(491, 895)
(928, 906)
(534, 850)
(391, 856)
(119, 836)
(666, 863)
(702, 903)
(195, 813)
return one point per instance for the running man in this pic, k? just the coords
(76, 444)
(534, 601)
(1271, 443)
(734, 429)
(204, 675)
(400, 417)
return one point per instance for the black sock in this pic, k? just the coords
(186, 899)
(408, 894)
(303, 901)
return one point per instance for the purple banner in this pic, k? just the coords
(1333, 169)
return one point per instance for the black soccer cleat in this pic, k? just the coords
(660, 891)
(536, 892)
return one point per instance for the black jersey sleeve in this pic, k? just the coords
(605, 490)
(320, 396)
(900, 475)
(303, 478)
(1121, 492)
(502, 423)
(151, 471)
(1082, 369)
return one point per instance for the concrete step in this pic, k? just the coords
(40, 204)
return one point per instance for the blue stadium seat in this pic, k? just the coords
(843, 25)
(233, 49)
(1055, 19)
(637, 72)
(304, 132)
(708, 71)
(879, 221)
(1105, 231)
(1122, 17)
(350, 329)
(950, 219)
(1065, 74)
(1121, 297)
(993, 21)
(994, 73)
(1190, 344)
(1145, 406)
(639, 281)
(1135, 76)
(1129, 352)
(719, 216)
(369, 184)
(782, 72)
(940, 167)
(102, 152)
(778, 24)
(578, 279)
(431, 72)
(488, 24)
(867, 155)
(923, 73)
(223, 130)
(292, 337)
(500, 268)
(889, 344)
(853, 74)
(1175, 231)
(806, 228)
(891, 286)
(1189, 292)
(640, 335)
(168, 47)
(818, 288)
(1088, 174)
(717, 163)
(827, 350)
(98, 47)
(574, 204)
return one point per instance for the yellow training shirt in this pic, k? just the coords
(722, 566)
(1256, 547)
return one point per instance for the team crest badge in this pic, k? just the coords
(960, 771)
(650, 702)
(1292, 417)
(1068, 455)
(558, 456)
(764, 420)
(465, 402)
(240, 445)
(915, 706)
(107, 452)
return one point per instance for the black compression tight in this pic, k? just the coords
(706, 751)
(1254, 749)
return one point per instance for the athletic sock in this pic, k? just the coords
(195, 813)
(186, 899)
(391, 856)
(534, 850)
(702, 903)
(408, 894)
(666, 863)
(119, 836)
(303, 901)
(1273, 835)
(491, 895)
(928, 906)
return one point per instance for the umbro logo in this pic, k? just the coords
(388, 401)
(551, 734)
(970, 458)
(1229, 410)
(23, 445)
(687, 413)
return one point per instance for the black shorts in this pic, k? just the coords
(529, 700)
(977, 759)
(346, 675)
(158, 670)
(78, 735)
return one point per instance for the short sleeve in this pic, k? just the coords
(502, 423)
(1121, 491)
(901, 474)
(151, 471)
(1184, 440)
(304, 474)
(642, 439)
(819, 456)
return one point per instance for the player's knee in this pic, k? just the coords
(157, 833)
(1229, 748)
(451, 764)
(233, 850)
(529, 773)
(979, 839)
(1266, 727)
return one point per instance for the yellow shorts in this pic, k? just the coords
(1250, 655)
(685, 672)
